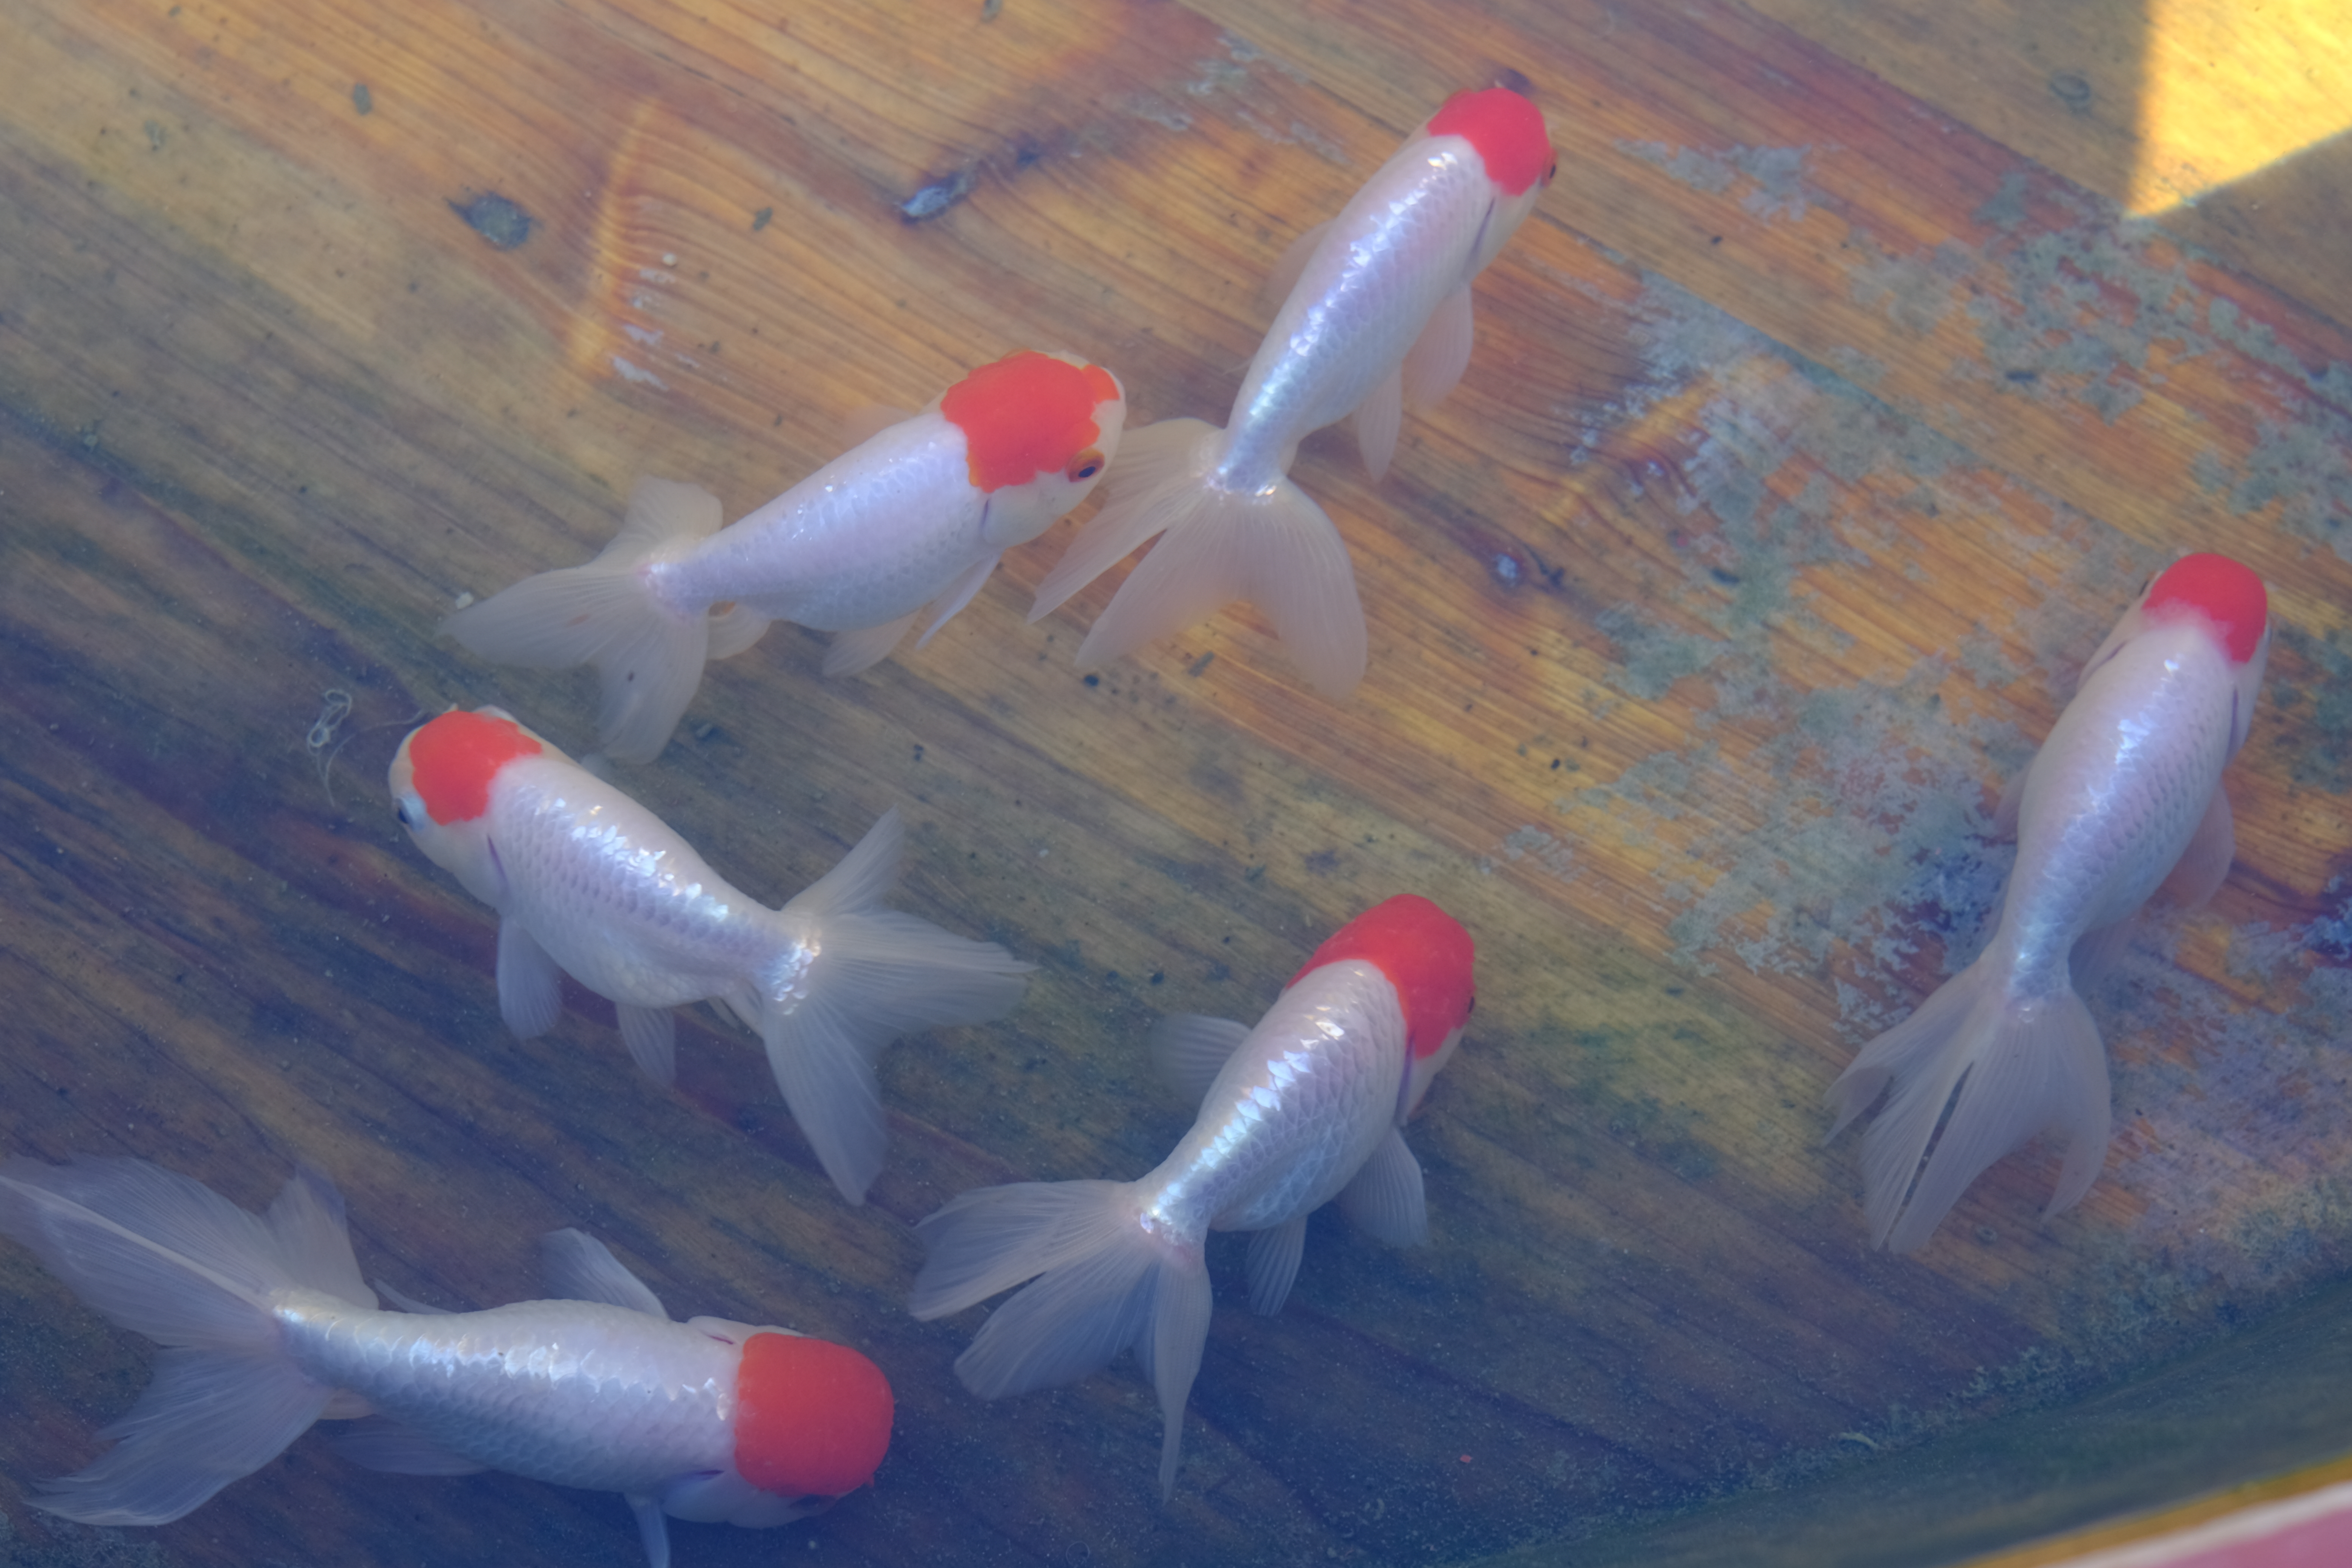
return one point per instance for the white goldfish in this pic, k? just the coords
(918, 515)
(1378, 321)
(2123, 798)
(268, 1328)
(1302, 1109)
(588, 882)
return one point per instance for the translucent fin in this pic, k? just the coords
(863, 647)
(652, 1528)
(1376, 421)
(579, 1268)
(1160, 467)
(735, 629)
(1384, 1199)
(166, 1257)
(860, 426)
(993, 1239)
(2005, 1073)
(649, 656)
(1273, 1265)
(1180, 1332)
(1273, 547)
(2012, 800)
(1189, 1049)
(380, 1443)
(1433, 366)
(2097, 953)
(530, 986)
(651, 1035)
(1289, 266)
(403, 1301)
(854, 977)
(2204, 866)
(960, 594)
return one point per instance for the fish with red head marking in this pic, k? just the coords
(915, 516)
(588, 882)
(1303, 1108)
(2123, 799)
(268, 1327)
(1376, 322)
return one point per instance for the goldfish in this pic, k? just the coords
(915, 515)
(1378, 321)
(1303, 1108)
(268, 1328)
(2123, 799)
(588, 882)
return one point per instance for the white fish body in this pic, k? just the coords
(915, 516)
(1378, 321)
(586, 881)
(1301, 1109)
(271, 1329)
(2123, 798)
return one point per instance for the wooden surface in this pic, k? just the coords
(1823, 418)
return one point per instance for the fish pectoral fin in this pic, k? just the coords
(652, 1528)
(530, 987)
(380, 1443)
(1274, 1255)
(1189, 1049)
(651, 1035)
(576, 1267)
(1433, 366)
(959, 594)
(1378, 419)
(1384, 1199)
(863, 647)
(2197, 875)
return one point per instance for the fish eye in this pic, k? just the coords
(1469, 1007)
(1087, 463)
(1552, 173)
(400, 810)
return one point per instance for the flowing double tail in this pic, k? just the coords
(648, 657)
(851, 977)
(1105, 1284)
(173, 1261)
(1273, 546)
(2008, 1069)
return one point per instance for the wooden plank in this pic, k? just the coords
(1815, 435)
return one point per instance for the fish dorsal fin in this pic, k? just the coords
(579, 1268)
(405, 1302)
(1189, 1049)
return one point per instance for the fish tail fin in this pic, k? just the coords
(1275, 547)
(854, 976)
(648, 657)
(167, 1257)
(1103, 1283)
(2006, 1070)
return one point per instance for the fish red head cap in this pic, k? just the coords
(2223, 591)
(1030, 414)
(1507, 130)
(812, 1418)
(1427, 956)
(446, 765)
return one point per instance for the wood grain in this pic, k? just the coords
(1822, 421)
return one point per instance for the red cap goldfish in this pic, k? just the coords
(268, 1327)
(918, 515)
(589, 883)
(1378, 321)
(1303, 1108)
(2123, 798)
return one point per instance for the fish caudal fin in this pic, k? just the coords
(1273, 547)
(854, 976)
(2006, 1070)
(648, 657)
(169, 1257)
(1102, 1284)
